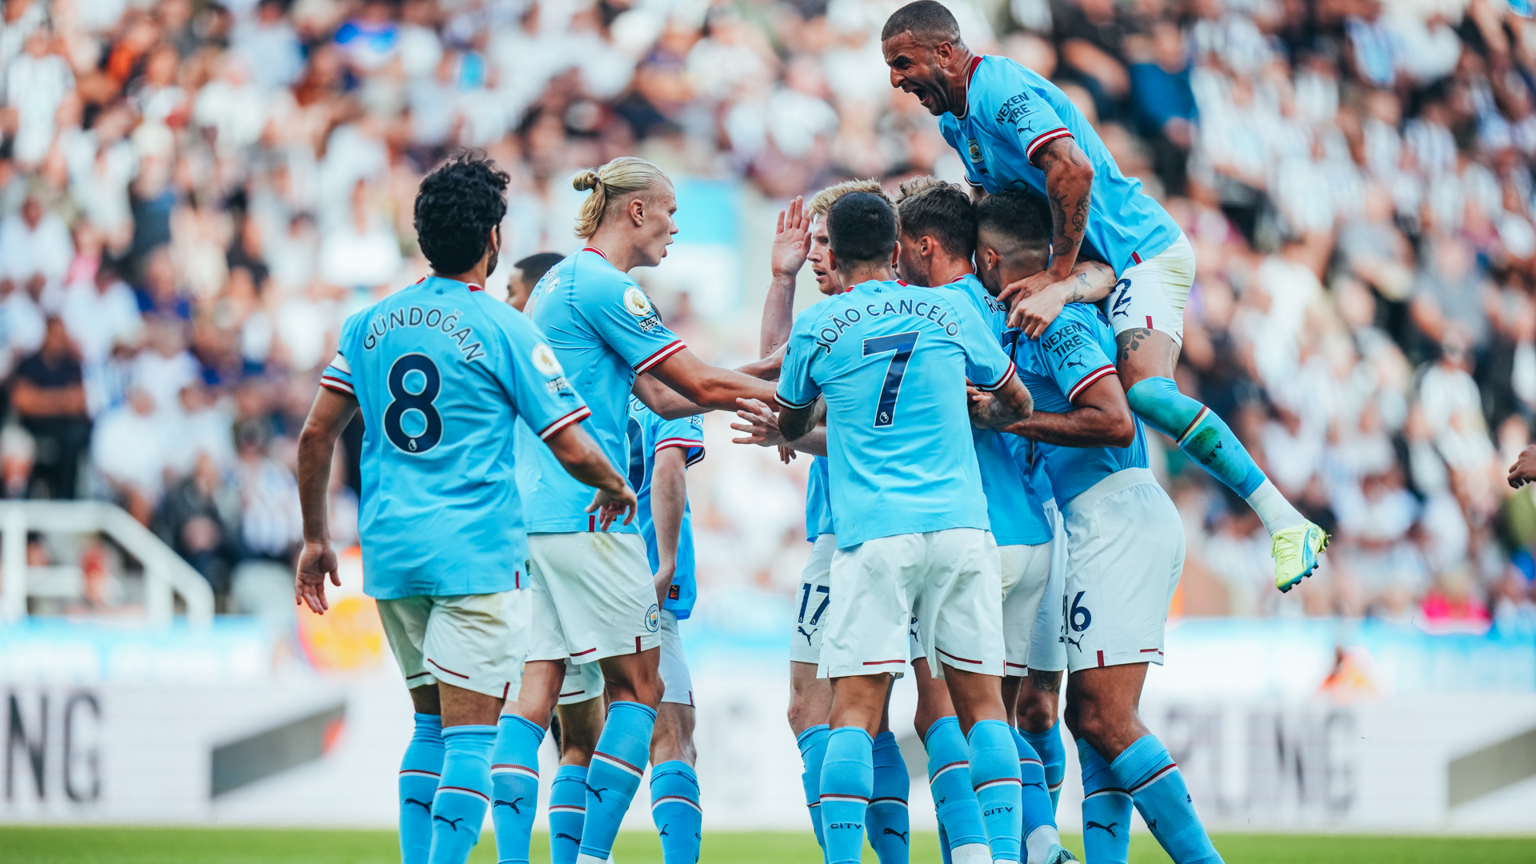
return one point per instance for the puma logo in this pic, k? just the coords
(451, 823)
(1075, 643)
(1152, 825)
(513, 804)
(596, 793)
(663, 831)
(562, 836)
(1110, 828)
(1074, 361)
(1041, 785)
(895, 833)
(422, 804)
(805, 634)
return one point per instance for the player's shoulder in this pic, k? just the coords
(1082, 316)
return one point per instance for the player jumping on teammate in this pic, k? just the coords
(1015, 130)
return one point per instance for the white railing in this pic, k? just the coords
(165, 573)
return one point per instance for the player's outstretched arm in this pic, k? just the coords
(1099, 417)
(709, 387)
(791, 244)
(1091, 281)
(584, 460)
(1524, 469)
(1008, 404)
(328, 418)
(1068, 188)
(670, 404)
(669, 495)
(796, 423)
(759, 425)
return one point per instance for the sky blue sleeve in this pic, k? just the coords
(796, 389)
(545, 400)
(1072, 352)
(623, 316)
(338, 375)
(685, 432)
(986, 363)
(1009, 96)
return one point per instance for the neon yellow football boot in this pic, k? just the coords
(1295, 551)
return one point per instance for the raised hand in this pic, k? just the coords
(791, 241)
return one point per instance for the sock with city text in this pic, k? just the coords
(949, 780)
(995, 777)
(1208, 440)
(847, 782)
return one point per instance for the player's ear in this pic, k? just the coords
(637, 211)
(831, 260)
(896, 252)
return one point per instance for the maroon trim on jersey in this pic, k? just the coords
(1089, 380)
(449, 671)
(1007, 376)
(672, 348)
(594, 249)
(576, 416)
(971, 73)
(1043, 139)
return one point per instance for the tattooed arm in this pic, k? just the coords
(1068, 185)
(1090, 282)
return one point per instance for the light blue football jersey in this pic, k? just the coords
(1069, 356)
(649, 434)
(892, 360)
(442, 372)
(1016, 515)
(1011, 112)
(818, 501)
(604, 332)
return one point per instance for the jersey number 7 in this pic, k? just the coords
(902, 344)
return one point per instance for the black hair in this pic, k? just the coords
(861, 228)
(926, 20)
(942, 211)
(536, 265)
(1019, 216)
(458, 206)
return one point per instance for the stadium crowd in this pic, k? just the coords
(194, 195)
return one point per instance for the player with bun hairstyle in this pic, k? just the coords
(593, 599)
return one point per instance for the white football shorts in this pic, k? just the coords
(1152, 294)
(592, 596)
(1126, 545)
(1028, 568)
(813, 601)
(1047, 643)
(949, 580)
(474, 641)
(584, 681)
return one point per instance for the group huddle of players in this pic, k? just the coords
(972, 390)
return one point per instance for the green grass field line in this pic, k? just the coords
(88, 845)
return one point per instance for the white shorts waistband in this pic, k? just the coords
(1122, 479)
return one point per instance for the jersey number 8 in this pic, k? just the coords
(420, 401)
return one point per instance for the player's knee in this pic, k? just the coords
(1037, 712)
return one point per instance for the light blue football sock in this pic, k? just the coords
(1106, 809)
(419, 770)
(515, 786)
(847, 782)
(995, 777)
(567, 813)
(1157, 787)
(618, 763)
(944, 855)
(890, 828)
(949, 780)
(813, 751)
(463, 794)
(1036, 814)
(1053, 757)
(676, 811)
(1197, 430)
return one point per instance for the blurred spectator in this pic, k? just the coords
(49, 398)
(130, 450)
(270, 524)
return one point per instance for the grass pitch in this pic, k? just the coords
(75, 845)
